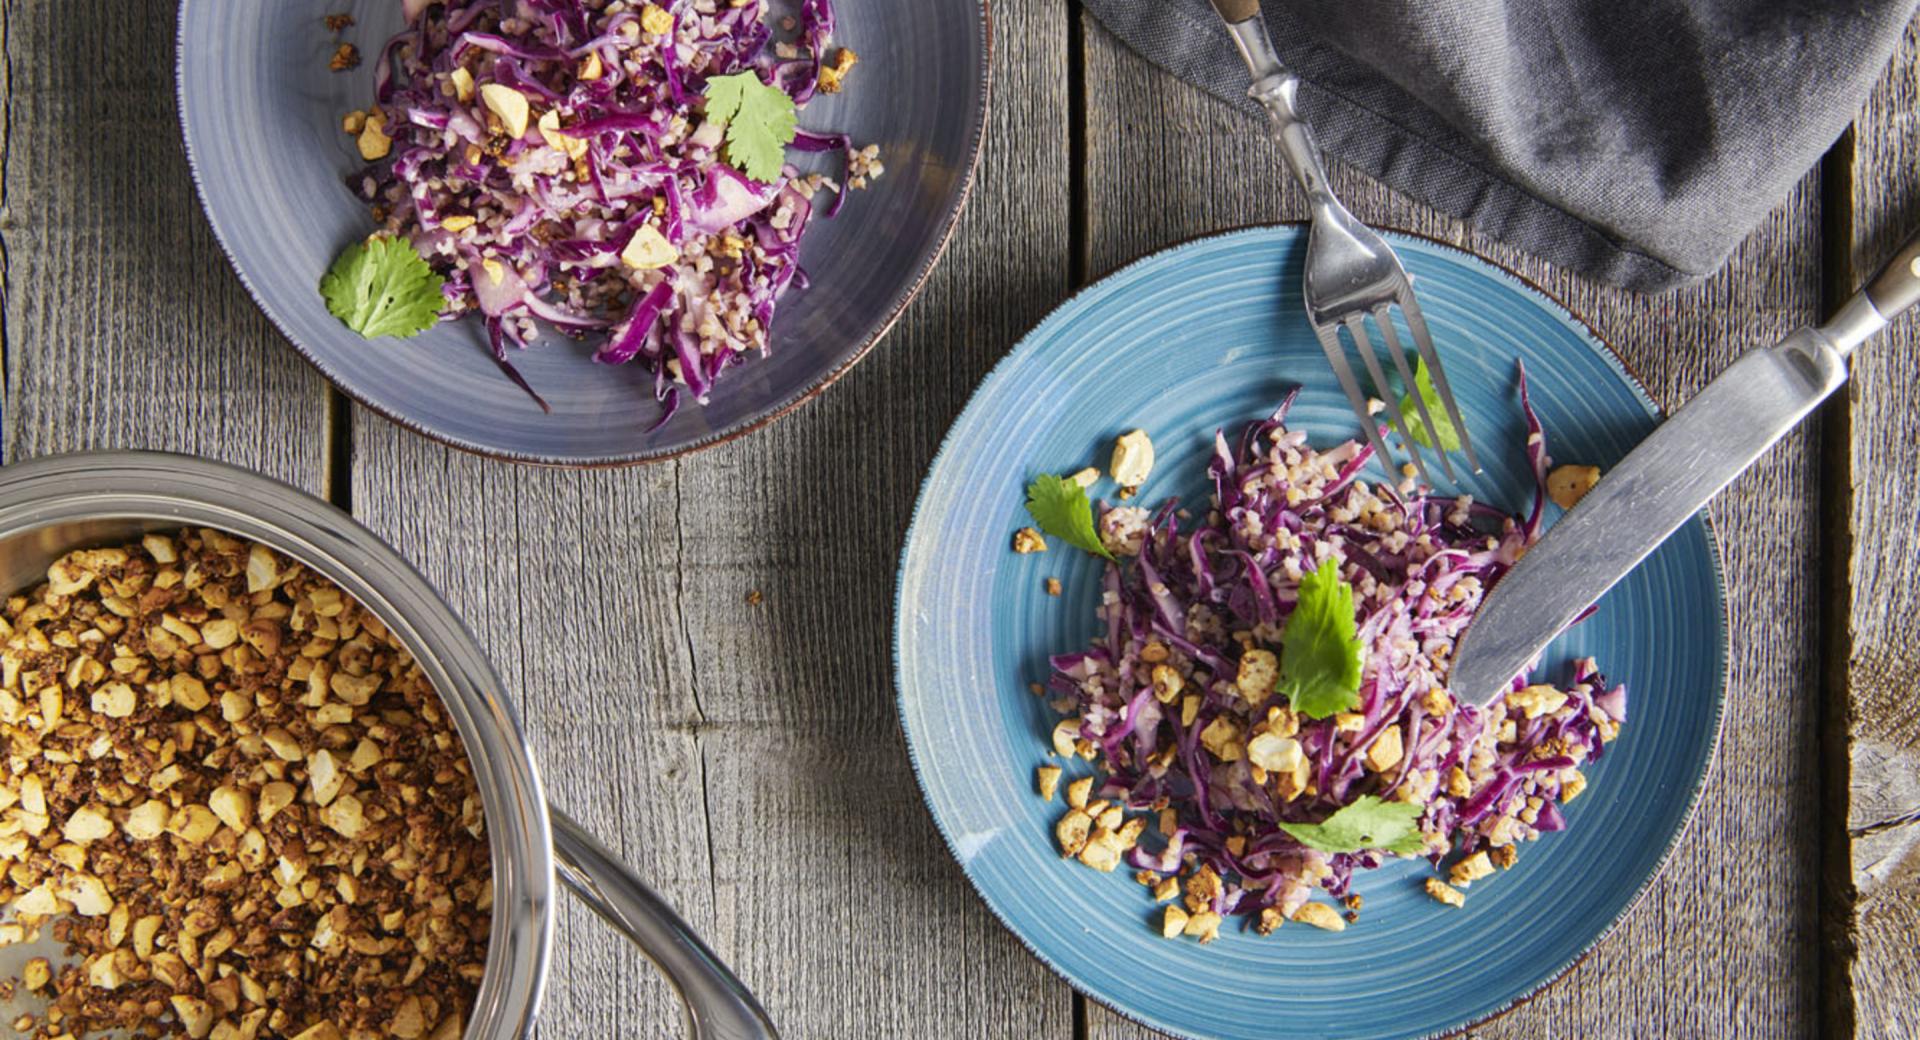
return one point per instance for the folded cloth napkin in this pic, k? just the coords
(1635, 141)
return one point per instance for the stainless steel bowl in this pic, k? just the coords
(51, 506)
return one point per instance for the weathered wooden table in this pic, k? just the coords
(747, 757)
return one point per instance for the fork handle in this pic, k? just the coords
(1277, 89)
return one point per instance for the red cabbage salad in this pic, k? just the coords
(1266, 708)
(612, 170)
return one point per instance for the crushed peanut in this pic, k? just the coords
(236, 801)
(1567, 485)
(1446, 893)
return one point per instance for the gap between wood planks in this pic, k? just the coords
(6, 156)
(1834, 948)
(1079, 245)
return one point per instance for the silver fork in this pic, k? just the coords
(1352, 274)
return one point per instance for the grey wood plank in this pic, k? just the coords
(1172, 162)
(1883, 668)
(125, 327)
(744, 757)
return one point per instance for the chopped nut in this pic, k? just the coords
(114, 700)
(1132, 459)
(1086, 478)
(832, 74)
(1173, 921)
(1567, 485)
(1049, 780)
(89, 823)
(346, 56)
(1446, 893)
(509, 104)
(1078, 791)
(1101, 852)
(1072, 832)
(649, 250)
(1386, 750)
(1204, 926)
(1028, 540)
(373, 142)
(462, 83)
(233, 807)
(1538, 700)
(1471, 869)
(1320, 915)
(1258, 675)
(656, 20)
(1222, 738)
(1503, 856)
(1053, 586)
(1167, 683)
(1065, 733)
(1571, 787)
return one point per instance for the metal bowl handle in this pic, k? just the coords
(718, 1006)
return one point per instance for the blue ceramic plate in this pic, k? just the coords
(261, 113)
(1210, 335)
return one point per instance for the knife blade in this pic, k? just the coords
(1665, 480)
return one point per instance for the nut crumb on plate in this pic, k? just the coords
(1028, 540)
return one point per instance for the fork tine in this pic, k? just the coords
(1422, 341)
(1357, 325)
(1337, 360)
(1383, 317)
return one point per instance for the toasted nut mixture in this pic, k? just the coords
(1445, 893)
(233, 796)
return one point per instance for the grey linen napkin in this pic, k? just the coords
(1635, 141)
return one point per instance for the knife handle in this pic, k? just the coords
(1237, 10)
(1896, 286)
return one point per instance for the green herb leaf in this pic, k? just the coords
(381, 287)
(1449, 438)
(1319, 648)
(760, 122)
(1368, 823)
(1060, 508)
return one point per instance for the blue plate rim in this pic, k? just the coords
(976, 141)
(1696, 783)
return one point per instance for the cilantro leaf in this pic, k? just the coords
(1368, 823)
(381, 287)
(760, 122)
(1442, 423)
(1060, 507)
(1319, 648)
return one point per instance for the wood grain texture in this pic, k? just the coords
(747, 759)
(1883, 666)
(1721, 944)
(125, 328)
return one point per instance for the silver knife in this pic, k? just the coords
(1668, 478)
